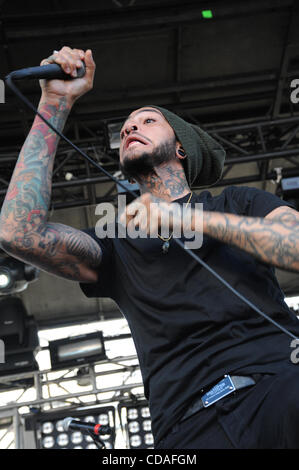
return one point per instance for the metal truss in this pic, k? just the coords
(259, 142)
(69, 400)
(77, 183)
(48, 385)
(40, 380)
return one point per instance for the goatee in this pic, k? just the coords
(144, 164)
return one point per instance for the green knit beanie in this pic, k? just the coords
(205, 157)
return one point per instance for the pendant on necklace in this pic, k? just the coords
(165, 247)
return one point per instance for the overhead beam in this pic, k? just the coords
(98, 22)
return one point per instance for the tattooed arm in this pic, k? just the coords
(273, 239)
(25, 232)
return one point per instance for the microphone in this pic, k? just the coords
(97, 429)
(48, 72)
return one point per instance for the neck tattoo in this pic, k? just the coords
(165, 182)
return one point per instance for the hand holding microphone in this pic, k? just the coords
(70, 61)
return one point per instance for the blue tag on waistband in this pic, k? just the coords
(220, 390)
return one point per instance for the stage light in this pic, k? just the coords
(91, 446)
(147, 425)
(48, 442)
(103, 419)
(5, 279)
(47, 428)
(206, 14)
(132, 413)
(138, 425)
(149, 439)
(135, 441)
(145, 412)
(114, 135)
(133, 427)
(62, 440)
(15, 275)
(89, 419)
(50, 434)
(19, 333)
(77, 350)
(77, 437)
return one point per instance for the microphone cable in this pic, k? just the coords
(9, 81)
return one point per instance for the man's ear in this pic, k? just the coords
(180, 152)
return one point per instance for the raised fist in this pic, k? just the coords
(70, 60)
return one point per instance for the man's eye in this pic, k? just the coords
(149, 119)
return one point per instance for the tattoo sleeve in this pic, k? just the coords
(272, 240)
(24, 228)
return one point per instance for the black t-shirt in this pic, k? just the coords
(188, 328)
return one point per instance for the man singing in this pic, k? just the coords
(216, 374)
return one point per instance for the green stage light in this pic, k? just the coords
(207, 14)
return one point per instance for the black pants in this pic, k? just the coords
(262, 416)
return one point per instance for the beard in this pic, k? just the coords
(144, 164)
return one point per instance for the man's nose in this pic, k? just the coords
(130, 129)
